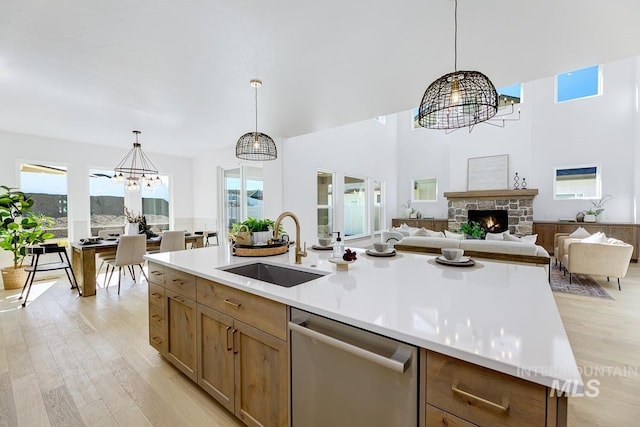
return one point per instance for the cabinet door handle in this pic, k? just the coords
(470, 396)
(177, 298)
(229, 344)
(156, 273)
(178, 280)
(236, 347)
(233, 304)
(156, 317)
(156, 295)
(157, 340)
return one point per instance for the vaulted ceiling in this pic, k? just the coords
(92, 71)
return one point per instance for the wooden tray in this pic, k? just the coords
(266, 250)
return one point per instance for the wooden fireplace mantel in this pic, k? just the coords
(492, 194)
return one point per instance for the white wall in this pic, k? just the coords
(365, 149)
(599, 130)
(79, 158)
(207, 185)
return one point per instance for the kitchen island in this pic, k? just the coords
(494, 317)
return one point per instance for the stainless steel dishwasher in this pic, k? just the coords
(345, 376)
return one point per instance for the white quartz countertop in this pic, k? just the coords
(497, 315)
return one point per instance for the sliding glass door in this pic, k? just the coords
(242, 194)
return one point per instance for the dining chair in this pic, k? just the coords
(172, 241)
(104, 257)
(130, 252)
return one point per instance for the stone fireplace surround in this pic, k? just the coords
(519, 203)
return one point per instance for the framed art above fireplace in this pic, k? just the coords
(488, 173)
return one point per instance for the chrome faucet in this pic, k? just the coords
(276, 227)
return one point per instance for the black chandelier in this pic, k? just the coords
(256, 145)
(136, 169)
(459, 99)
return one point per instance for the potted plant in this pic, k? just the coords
(137, 224)
(472, 230)
(20, 227)
(593, 214)
(261, 229)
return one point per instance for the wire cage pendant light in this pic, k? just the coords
(256, 145)
(136, 169)
(458, 99)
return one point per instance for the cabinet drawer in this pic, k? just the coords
(482, 396)
(180, 282)
(156, 295)
(264, 314)
(436, 417)
(156, 273)
(156, 318)
(158, 339)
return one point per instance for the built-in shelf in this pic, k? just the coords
(492, 194)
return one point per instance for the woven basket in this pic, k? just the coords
(13, 278)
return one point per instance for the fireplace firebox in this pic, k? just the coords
(493, 221)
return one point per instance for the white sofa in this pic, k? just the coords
(500, 250)
(475, 245)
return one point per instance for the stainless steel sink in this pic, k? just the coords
(278, 275)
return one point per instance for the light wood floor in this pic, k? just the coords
(67, 361)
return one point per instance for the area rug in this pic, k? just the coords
(580, 285)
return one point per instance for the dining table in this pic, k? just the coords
(83, 257)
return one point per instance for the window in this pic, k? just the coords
(47, 184)
(106, 201)
(414, 118)
(424, 190)
(378, 206)
(508, 95)
(578, 84)
(355, 206)
(155, 204)
(580, 182)
(242, 194)
(325, 203)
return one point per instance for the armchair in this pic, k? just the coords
(563, 247)
(599, 259)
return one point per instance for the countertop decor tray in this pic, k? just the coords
(463, 262)
(264, 250)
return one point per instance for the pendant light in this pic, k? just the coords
(136, 169)
(458, 99)
(256, 145)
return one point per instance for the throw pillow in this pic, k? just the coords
(530, 239)
(421, 232)
(496, 236)
(450, 235)
(580, 233)
(431, 233)
(598, 237)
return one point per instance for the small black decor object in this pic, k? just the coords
(524, 183)
(516, 182)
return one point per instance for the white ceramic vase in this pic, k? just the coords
(131, 229)
(589, 218)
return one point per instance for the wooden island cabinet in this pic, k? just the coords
(459, 393)
(235, 345)
(232, 343)
(626, 232)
